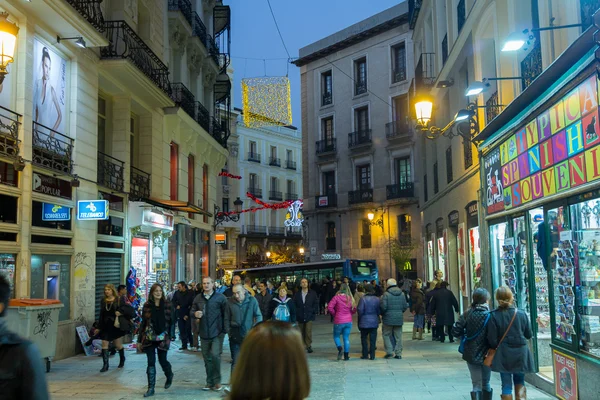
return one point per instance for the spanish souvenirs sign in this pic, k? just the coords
(565, 376)
(550, 154)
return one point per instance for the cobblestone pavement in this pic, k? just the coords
(428, 370)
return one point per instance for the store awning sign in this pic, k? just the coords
(55, 212)
(220, 238)
(92, 210)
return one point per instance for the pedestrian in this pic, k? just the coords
(21, 369)
(248, 286)
(264, 300)
(417, 308)
(306, 303)
(171, 293)
(109, 325)
(393, 305)
(195, 323)
(444, 305)
(368, 321)
(283, 375)
(154, 336)
(235, 280)
(209, 308)
(378, 291)
(241, 314)
(270, 288)
(341, 308)
(182, 300)
(360, 292)
(471, 327)
(323, 296)
(430, 316)
(282, 307)
(508, 332)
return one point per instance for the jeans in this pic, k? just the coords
(211, 352)
(419, 321)
(508, 379)
(185, 331)
(480, 377)
(235, 352)
(151, 352)
(368, 340)
(344, 330)
(392, 332)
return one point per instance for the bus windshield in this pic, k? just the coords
(362, 269)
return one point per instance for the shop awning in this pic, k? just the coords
(176, 205)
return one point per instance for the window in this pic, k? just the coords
(225, 207)
(361, 119)
(365, 238)
(8, 175)
(224, 179)
(253, 149)
(363, 176)
(468, 153)
(113, 226)
(191, 181)
(449, 176)
(404, 229)
(436, 187)
(37, 216)
(360, 76)
(330, 239)
(9, 208)
(205, 190)
(403, 170)
(399, 62)
(288, 155)
(327, 129)
(174, 170)
(101, 125)
(253, 181)
(291, 190)
(425, 194)
(274, 184)
(326, 88)
(273, 152)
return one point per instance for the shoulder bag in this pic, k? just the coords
(489, 357)
(235, 332)
(465, 339)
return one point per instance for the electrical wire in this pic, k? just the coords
(278, 31)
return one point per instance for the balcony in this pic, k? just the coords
(398, 130)
(275, 162)
(326, 146)
(111, 172)
(365, 241)
(184, 7)
(124, 43)
(255, 192)
(400, 190)
(588, 7)
(327, 99)
(52, 149)
(202, 116)
(445, 49)
(425, 74)
(183, 98)
(220, 131)
(461, 15)
(492, 108)
(330, 243)
(291, 196)
(398, 74)
(213, 49)
(329, 200)
(359, 138)
(91, 11)
(276, 231)
(256, 229)
(9, 132)
(414, 6)
(254, 157)
(531, 66)
(360, 87)
(199, 30)
(360, 196)
(275, 195)
(139, 185)
(289, 164)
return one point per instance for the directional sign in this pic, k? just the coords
(54, 212)
(91, 210)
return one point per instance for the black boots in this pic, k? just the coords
(346, 357)
(104, 360)
(169, 374)
(485, 395)
(121, 358)
(340, 352)
(151, 372)
(475, 395)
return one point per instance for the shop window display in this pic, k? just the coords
(502, 250)
(522, 272)
(430, 259)
(542, 299)
(475, 257)
(441, 256)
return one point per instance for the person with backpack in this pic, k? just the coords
(341, 308)
(282, 307)
(470, 328)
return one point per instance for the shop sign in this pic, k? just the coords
(453, 219)
(462, 260)
(92, 210)
(330, 256)
(472, 209)
(439, 227)
(51, 186)
(565, 375)
(220, 238)
(161, 221)
(54, 212)
(323, 201)
(494, 192)
(550, 154)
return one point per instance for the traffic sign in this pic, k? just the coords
(54, 212)
(92, 210)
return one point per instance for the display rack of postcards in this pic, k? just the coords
(542, 299)
(564, 279)
(523, 273)
(589, 277)
(509, 264)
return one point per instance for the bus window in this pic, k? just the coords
(361, 270)
(337, 273)
(326, 273)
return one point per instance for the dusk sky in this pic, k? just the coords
(302, 22)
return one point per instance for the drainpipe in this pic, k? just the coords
(390, 241)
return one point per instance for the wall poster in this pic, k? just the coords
(565, 376)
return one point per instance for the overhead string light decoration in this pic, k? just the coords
(227, 174)
(266, 101)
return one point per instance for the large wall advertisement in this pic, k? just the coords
(552, 153)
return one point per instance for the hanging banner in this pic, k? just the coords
(462, 260)
(565, 376)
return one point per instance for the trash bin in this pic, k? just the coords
(36, 320)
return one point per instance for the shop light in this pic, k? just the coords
(8, 41)
(514, 42)
(78, 41)
(424, 109)
(476, 88)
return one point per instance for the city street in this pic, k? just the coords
(428, 370)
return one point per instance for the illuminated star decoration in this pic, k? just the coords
(294, 215)
(266, 101)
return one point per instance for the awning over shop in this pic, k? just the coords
(176, 205)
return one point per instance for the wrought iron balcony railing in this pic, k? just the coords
(398, 74)
(326, 146)
(329, 200)
(111, 172)
(327, 99)
(219, 131)
(330, 243)
(492, 108)
(255, 192)
(183, 98)
(400, 190)
(91, 11)
(425, 74)
(202, 116)
(254, 157)
(9, 132)
(461, 15)
(360, 87)
(289, 164)
(52, 149)
(398, 130)
(139, 184)
(531, 66)
(588, 7)
(359, 138)
(414, 6)
(124, 42)
(275, 162)
(256, 229)
(199, 29)
(360, 196)
(291, 196)
(184, 7)
(277, 231)
(275, 195)
(213, 49)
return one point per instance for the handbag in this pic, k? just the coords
(465, 339)
(489, 357)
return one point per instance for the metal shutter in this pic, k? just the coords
(108, 270)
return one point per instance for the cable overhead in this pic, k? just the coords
(278, 31)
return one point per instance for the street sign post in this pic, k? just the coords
(92, 210)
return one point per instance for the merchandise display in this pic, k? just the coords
(475, 257)
(542, 299)
(564, 278)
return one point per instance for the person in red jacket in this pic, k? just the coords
(341, 307)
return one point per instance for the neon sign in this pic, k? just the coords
(294, 217)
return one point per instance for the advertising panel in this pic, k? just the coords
(49, 87)
(565, 375)
(462, 260)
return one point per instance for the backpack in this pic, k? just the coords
(281, 312)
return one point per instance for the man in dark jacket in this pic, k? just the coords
(209, 307)
(442, 304)
(21, 368)
(264, 300)
(236, 280)
(307, 308)
(182, 302)
(393, 305)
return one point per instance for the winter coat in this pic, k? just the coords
(248, 310)
(276, 301)
(308, 309)
(184, 300)
(417, 298)
(368, 311)
(393, 305)
(513, 354)
(264, 303)
(146, 320)
(106, 321)
(22, 375)
(211, 324)
(357, 296)
(443, 305)
(341, 308)
(468, 325)
(428, 296)
(331, 291)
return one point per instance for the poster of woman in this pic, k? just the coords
(49, 90)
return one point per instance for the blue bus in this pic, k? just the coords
(357, 270)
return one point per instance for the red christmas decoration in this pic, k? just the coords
(227, 174)
(275, 206)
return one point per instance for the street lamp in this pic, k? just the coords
(424, 110)
(301, 251)
(379, 221)
(268, 254)
(516, 40)
(234, 216)
(8, 41)
(477, 87)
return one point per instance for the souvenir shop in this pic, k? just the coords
(541, 203)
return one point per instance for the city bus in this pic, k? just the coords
(357, 270)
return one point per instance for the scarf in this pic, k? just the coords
(158, 319)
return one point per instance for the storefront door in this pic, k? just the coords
(502, 252)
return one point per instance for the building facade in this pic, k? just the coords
(358, 147)
(132, 111)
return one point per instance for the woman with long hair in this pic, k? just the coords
(417, 308)
(368, 321)
(283, 376)
(471, 327)
(109, 313)
(44, 96)
(154, 336)
(508, 332)
(341, 308)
